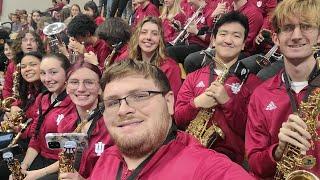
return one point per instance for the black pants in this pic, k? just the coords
(41, 162)
(119, 5)
(180, 52)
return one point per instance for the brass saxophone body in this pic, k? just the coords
(293, 160)
(199, 126)
(16, 118)
(13, 165)
(67, 157)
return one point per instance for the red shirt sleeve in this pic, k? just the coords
(185, 110)
(8, 80)
(34, 142)
(172, 70)
(257, 144)
(99, 20)
(255, 22)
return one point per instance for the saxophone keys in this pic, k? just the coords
(308, 162)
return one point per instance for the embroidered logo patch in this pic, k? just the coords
(59, 118)
(99, 148)
(202, 20)
(259, 3)
(271, 106)
(200, 84)
(235, 87)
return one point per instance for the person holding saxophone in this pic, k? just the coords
(53, 106)
(217, 89)
(84, 91)
(281, 110)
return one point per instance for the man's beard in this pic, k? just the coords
(144, 143)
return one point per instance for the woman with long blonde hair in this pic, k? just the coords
(147, 44)
(173, 19)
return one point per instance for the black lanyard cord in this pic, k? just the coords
(171, 136)
(287, 81)
(41, 117)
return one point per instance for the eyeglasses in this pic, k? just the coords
(88, 83)
(304, 28)
(135, 100)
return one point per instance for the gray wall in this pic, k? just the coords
(29, 5)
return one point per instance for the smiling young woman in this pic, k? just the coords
(147, 44)
(54, 106)
(84, 90)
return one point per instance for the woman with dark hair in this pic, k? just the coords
(26, 41)
(74, 11)
(35, 18)
(117, 37)
(91, 9)
(28, 88)
(6, 57)
(147, 44)
(54, 106)
(84, 90)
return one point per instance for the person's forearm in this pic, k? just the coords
(49, 169)
(30, 156)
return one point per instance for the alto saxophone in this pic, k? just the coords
(16, 118)
(13, 165)
(67, 156)
(292, 161)
(199, 126)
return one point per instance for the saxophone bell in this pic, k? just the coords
(301, 175)
(6, 103)
(15, 119)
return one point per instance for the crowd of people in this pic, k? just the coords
(176, 91)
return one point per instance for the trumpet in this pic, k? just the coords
(184, 34)
(74, 56)
(53, 32)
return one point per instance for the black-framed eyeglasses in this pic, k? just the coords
(134, 100)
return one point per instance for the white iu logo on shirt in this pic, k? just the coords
(99, 148)
(59, 118)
